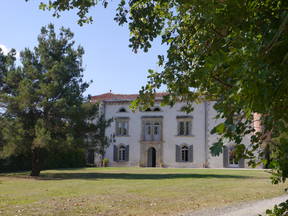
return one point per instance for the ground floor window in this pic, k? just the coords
(230, 159)
(121, 153)
(233, 161)
(184, 153)
(90, 156)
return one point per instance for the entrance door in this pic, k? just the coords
(151, 157)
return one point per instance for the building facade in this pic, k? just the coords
(161, 136)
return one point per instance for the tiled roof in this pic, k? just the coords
(120, 97)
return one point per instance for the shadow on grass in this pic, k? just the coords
(96, 176)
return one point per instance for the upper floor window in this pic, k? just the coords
(185, 127)
(152, 130)
(122, 110)
(122, 127)
(148, 110)
(153, 109)
(156, 109)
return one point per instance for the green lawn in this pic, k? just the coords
(130, 191)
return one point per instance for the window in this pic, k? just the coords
(152, 130)
(121, 153)
(232, 157)
(184, 127)
(90, 156)
(148, 110)
(157, 109)
(152, 109)
(122, 110)
(122, 127)
(184, 153)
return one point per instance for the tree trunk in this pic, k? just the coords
(35, 162)
(267, 156)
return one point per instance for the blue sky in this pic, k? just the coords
(108, 60)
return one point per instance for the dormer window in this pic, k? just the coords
(122, 110)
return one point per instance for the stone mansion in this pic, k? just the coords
(161, 136)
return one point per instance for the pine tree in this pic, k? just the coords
(42, 105)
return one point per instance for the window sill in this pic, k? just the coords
(122, 136)
(184, 135)
(150, 142)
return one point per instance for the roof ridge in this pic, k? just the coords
(119, 97)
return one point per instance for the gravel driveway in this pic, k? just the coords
(241, 209)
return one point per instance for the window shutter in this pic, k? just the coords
(181, 128)
(242, 163)
(117, 128)
(225, 156)
(187, 128)
(127, 153)
(178, 153)
(115, 153)
(190, 153)
(125, 128)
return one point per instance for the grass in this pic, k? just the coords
(130, 191)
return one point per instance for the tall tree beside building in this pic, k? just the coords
(41, 100)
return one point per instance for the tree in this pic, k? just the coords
(97, 140)
(100, 138)
(41, 101)
(233, 52)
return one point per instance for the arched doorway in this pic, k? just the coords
(151, 157)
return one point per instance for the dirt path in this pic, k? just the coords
(242, 209)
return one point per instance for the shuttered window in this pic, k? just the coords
(121, 153)
(184, 153)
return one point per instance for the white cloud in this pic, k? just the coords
(6, 50)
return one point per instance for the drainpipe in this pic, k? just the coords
(206, 133)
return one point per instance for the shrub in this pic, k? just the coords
(64, 158)
(105, 162)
